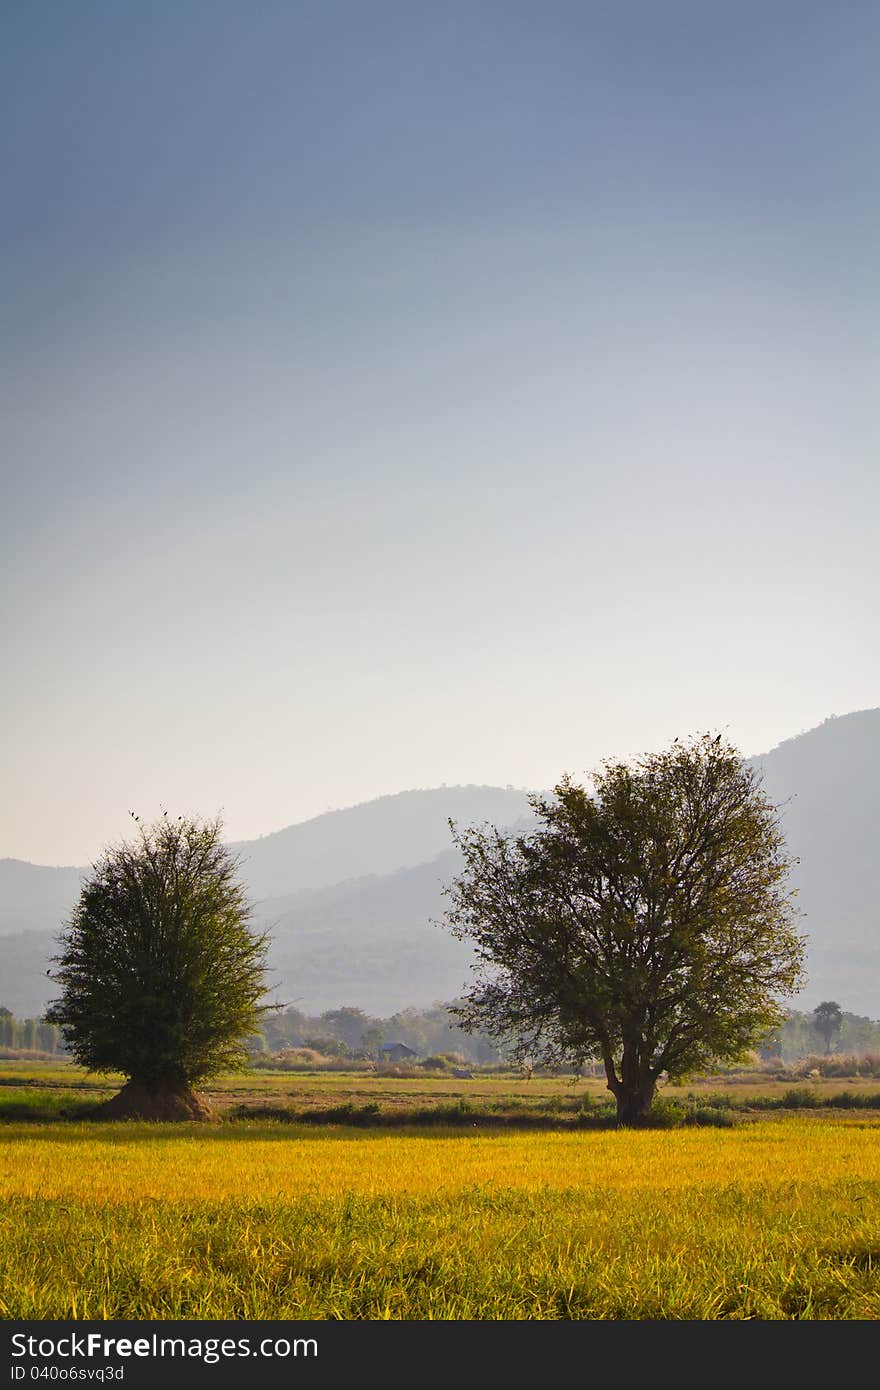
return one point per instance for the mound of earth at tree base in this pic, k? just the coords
(137, 1101)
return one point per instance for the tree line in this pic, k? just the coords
(827, 1029)
(350, 1032)
(29, 1034)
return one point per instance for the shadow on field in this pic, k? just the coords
(246, 1122)
(463, 1117)
(64, 1117)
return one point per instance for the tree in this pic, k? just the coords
(346, 1025)
(162, 975)
(827, 1021)
(646, 924)
(372, 1039)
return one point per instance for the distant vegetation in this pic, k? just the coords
(350, 1035)
(30, 1035)
(800, 1037)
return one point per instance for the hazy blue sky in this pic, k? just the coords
(406, 393)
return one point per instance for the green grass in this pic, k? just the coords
(40, 1106)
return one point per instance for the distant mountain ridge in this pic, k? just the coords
(351, 897)
(374, 838)
(26, 888)
(827, 784)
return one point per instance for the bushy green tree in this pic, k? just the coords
(646, 924)
(161, 973)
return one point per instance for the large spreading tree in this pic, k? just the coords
(646, 923)
(161, 973)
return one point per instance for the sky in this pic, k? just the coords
(404, 394)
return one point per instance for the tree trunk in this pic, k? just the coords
(162, 1100)
(634, 1103)
(633, 1090)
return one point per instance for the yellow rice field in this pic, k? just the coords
(140, 1162)
(774, 1219)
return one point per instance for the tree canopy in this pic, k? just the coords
(646, 923)
(161, 973)
(828, 1021)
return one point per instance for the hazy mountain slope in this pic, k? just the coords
(25, 987)
(35, 897)
(370, 943)
(827, 782)
(376, 837)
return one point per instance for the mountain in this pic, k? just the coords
(827, 783)
(370, 943)
(350, 897)
(33, 895)
(376, 837)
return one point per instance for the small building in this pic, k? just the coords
(396, 1052)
